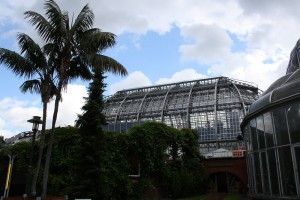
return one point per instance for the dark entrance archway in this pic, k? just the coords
(224, 182)
(227, 174)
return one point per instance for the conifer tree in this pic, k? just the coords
(88, 168)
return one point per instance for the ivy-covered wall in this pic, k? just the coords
(169, 162)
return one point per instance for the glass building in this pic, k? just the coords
(213, 106)
(272, 133)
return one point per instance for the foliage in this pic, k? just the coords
(115, 168)
(20, 168)
(169, 161)
(177, 172)
(64, 152)
(22, 150)
(89, 181)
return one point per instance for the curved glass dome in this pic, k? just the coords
(213, 106)
(272, 132)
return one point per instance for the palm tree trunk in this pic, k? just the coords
(42, 145)
(51, 140)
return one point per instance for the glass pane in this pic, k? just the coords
(253, 134)
(297, 156)
(260, 132)
(287, 171)
(265, 173)
(280, 125)
(293, 115)
(273, 171)
(268, 129)
(257, 173)
(246, 132)
(250, 173)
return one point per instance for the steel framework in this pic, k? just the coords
(213, 106)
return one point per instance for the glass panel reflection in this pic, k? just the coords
(251, 173)
(253, 134)
(280, 124)
(273, 171)
(268, 124)
(293, 115)
(265, 173)
(260, 132)
(257, 173)
(297, 156)
(287, 171)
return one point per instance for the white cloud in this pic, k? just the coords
(2, 123)
(71, 104)
(211, 44)
(133, 80)
(10, 103)
(139, 79)
(15, 113)
(184, 75)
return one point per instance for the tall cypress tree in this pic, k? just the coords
(88, 166)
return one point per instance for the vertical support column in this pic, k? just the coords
(140, 107)
(164, 104)
(240, 96)
(188, 121)
(216, 113)
(119, 110)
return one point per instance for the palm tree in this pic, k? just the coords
(44, 86)
(78, 49)
(34, 64)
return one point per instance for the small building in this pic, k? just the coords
(272, 133)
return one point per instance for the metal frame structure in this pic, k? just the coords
(213, 106)
(272, 133)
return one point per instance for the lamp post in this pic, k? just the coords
(36, 121)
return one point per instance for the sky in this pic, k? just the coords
(159, 42)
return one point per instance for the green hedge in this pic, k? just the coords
(169, 160)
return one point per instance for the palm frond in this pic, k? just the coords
(32, 86)
(57, 19)
(31, 50)
(107, 64)
(84, 21)
(16, 63)
(79, 68)
(41, 24)
(94, 40)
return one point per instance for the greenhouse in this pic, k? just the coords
(213, 106)
(272, 132)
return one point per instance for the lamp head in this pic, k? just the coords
(36, 121)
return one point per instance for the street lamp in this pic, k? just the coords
(36, 121)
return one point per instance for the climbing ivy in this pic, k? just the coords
(169, 161)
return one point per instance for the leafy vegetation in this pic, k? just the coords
(88, 160)
(169, 160)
